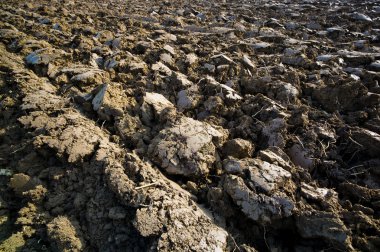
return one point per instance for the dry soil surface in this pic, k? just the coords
(189, 125)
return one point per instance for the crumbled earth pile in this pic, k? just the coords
(190, 125)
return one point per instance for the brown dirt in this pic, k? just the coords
(189, 126)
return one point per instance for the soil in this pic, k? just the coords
(189, 125)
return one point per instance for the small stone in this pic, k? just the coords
(374, 66)
(210, 68)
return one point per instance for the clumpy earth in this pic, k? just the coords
(189, 125)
